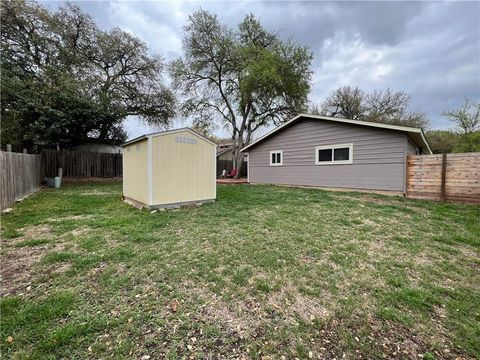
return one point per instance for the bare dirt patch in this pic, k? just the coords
(18, 263)
(30, 233)
(387, 339)
(18, 268)
(241, 317)
(247, 316)
(15, 272)
(80, 231)
(292, 305)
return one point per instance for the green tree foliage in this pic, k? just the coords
(243, 79)
(467, 120)
(466, 136)
(442, 141)
(65, 80)
(382, 106)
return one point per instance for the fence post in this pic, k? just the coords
(9, 148)
(24, 150)
(444, 176)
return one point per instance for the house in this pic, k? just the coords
(225, 152)
(169, 169)
(225, 160)
(100, 147)
(311, 150)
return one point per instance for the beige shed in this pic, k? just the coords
(169, 169)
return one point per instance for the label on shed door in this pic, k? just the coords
(185, 140)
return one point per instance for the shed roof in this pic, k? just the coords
(416, 134)
(158, 133)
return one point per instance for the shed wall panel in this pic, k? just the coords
(135, 171)
(182, 171)
(378, 157)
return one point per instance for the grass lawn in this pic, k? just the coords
(265, 271)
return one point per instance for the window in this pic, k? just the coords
(276, 158)
(334, 154)
(325, 155)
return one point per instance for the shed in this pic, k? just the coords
(320, 151)
(169, 169)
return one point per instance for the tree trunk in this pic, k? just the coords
(237, 156)
(238, 161)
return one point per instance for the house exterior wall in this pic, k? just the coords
(412, 149)
(135, 171)
(378, 157)
(228, 155)
(182, 171)
(101, 148)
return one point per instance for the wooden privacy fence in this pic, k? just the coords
(451, 177)
(82, 164)
(228, 165)
(21, 174)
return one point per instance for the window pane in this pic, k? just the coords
(279, 159)
(341, 154)
(273, 158)
(325, 155)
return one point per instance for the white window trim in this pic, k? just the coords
(281, 157)
(334, 162)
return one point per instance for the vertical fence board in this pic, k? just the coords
(82, 164)
(21, 174)
(450, 177)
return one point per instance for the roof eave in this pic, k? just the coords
(134, 140)
(345, 121)
(160, 133)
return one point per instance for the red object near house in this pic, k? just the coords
(232, 173)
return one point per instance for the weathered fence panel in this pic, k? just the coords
(450, 177)
(21, 174)
(82, 164)
(228, 165)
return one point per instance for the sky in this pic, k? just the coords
(431, 50)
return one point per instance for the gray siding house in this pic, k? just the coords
(312, 150)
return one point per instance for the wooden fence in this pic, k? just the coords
(228, 165)
(82, 164)
(450, 177)
(21, 174)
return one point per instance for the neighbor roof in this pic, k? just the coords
(416, 133)
(158, 133)
(223, 150)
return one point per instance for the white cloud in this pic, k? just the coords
(430, 50)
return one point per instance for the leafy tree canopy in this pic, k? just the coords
(243, 79)
(65, 80)
(467, 120)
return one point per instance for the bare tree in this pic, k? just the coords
(383, 106)
(345, 102)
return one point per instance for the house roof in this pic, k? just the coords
(223, 150)
(416, 134)
(158, 133)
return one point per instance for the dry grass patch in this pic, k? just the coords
(72, 218)
(262, 273)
